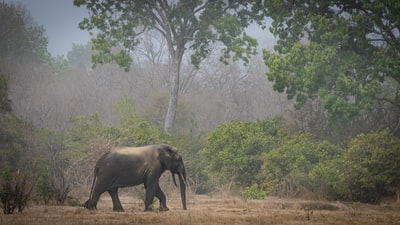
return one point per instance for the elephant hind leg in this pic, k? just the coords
(151, 191)
(91, 204)
(117, 207)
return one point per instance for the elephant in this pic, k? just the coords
(131, 166)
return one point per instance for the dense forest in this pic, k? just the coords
(316, 116)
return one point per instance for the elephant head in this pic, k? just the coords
(172, 161)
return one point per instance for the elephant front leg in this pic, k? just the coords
(117, 207)
(163, 201)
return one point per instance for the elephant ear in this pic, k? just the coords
(167, 155)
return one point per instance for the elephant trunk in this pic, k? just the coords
(182, 182)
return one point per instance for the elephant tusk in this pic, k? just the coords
(183, 178)
(173, 178)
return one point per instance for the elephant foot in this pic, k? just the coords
(89, 205)
(149, 209)
(163, 209)
(118, 210)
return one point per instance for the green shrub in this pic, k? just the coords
(233, 150)
(15, 191)
(299, 165)
(254, 192)
(372, 166)
(44, 188)
(135, 130)
(327, 179)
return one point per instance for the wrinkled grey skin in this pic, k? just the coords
(130, 166)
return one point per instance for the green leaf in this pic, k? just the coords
(344, 54)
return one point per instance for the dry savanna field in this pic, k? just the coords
(203, 209)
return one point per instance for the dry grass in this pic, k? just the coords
(212, 211)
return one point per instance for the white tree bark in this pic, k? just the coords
(173, 93)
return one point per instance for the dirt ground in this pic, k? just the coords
(213, 210)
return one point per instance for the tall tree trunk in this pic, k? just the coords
(173, 94)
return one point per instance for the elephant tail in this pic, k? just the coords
(96, 170)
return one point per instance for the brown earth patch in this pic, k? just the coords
(212, 211)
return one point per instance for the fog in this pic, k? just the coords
(60, 19)
(214, 94)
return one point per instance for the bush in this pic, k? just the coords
(15, 191)
(44, 188)
(372, 166)
(300, 164)
(135, 130)
(327, 180)
(233, 151)
(254, 192)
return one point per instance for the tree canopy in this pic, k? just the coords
(5, 103)
(20, 36)
(185, 25)
(346, 53)
(193, 24)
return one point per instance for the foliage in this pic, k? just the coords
(20, 36)
(327, 179)
(346, 54)
(195, 23)
(44, 187)
(58, 64)
(79, 55)
(64, 163)
(84, 131)
(372, 165)
(311, 118)
(300, 163)
(21, 144)
(135, 131)
(5, 103)
(233, 150)
(192, 25)
(81, 145)
(15, 190)
(254, 192)
(189, 146)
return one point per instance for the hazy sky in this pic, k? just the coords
(60, 19)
